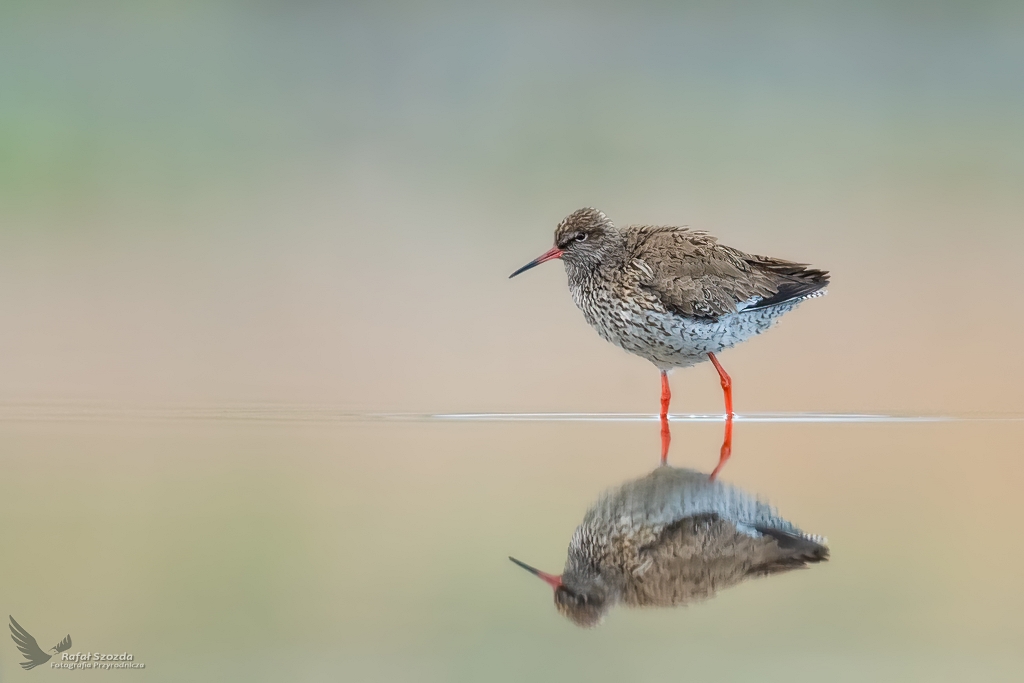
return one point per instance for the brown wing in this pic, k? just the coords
(697, 556)
(792, 552)
(694, 275)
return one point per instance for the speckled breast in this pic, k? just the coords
(639, 323)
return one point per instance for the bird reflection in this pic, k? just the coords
(671, 538)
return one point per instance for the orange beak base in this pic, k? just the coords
(551, 579)
(552, 253)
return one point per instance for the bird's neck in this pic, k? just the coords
(590, 561)
(600, 269)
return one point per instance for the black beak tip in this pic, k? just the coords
(523, 269)
(525, 566)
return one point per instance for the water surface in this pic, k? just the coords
(374, 550)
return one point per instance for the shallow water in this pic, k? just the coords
(224, 549)
(270, 408)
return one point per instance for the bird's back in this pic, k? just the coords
(674, 295)
(698, 556)
(693, 275)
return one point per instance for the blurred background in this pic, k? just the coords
(218, 201)
(313, 204)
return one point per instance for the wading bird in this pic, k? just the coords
(674, 296)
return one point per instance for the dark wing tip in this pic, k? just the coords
(799, 549)
(794, 281)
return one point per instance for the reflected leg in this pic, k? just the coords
(726, 447)
(666, 434)
(727, 438)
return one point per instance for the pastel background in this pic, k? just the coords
(312, 208)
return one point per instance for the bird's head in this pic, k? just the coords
(583, 602)
(582, 240)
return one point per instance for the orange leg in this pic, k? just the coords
(727, 439)
(666, 434)
(726, 383)
(726, 447)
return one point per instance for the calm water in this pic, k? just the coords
(296, 226)
(294, 546)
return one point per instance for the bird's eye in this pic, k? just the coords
(581, 237)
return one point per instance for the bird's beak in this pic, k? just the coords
(553, 252)
(550, 579)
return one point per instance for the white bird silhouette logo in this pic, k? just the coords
(30, 648)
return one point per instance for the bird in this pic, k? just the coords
(674, 295)
(669, 539)
(30, 648)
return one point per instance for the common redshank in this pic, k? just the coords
(674, 296)
(669, 539)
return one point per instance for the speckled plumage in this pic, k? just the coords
(673, 295)
(672, 538)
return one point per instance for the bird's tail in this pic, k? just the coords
(794, 281)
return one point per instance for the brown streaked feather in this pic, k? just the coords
(700, 555)
(694, 275)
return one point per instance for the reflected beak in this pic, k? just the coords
(550, 579)
(553, 252)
